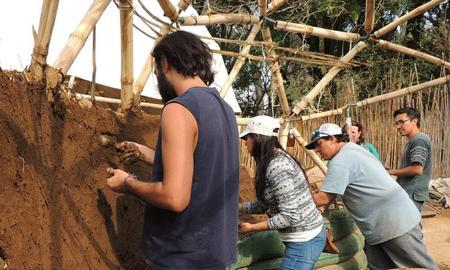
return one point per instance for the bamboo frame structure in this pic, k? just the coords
(277, 78)
(327, 78)
(169, 10)
(126, 42)
(413, 13)
(275, 5)
(283, 135)
(183, 5)
(117, 101)
(391, 95)
(147, 69)
(78, 38)
(219, 19)
(411, 52)
(310, 153)
(316, 31)
(369, 18)
(239, 62)
(262, 7)
(42, 41)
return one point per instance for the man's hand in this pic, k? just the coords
(130, 152)
(245, 227)
(117, 181)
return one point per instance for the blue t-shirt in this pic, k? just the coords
(204, 236)
(381, 208)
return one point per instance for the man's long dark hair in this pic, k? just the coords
(187, 54)
(263, 152)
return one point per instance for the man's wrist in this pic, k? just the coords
(126, 185)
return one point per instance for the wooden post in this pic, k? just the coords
(310, 153)
(316, 31)
(327, 78)
(240, 61)
(412, 52)
(391, 95)
(169, 10)
(78, 38)
(126, 42)
(42, 41)
(183, 5)
(146, 70)
(413, 13)
(277, 78)
(369, 16)
(219, 19)
(275, 5)
(262, 6)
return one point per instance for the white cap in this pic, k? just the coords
(263, 125)
(325, 130)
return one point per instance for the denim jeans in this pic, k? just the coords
(303, 255)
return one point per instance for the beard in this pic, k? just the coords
(165, 88)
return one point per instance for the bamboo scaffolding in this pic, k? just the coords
(117, 101)
(283, 137)
(277, 78)
(42, 40)
(239, 62)
(411, 52)
(275, 5)
(262, 7)
(183, 5)
(313, 155)
(147, 69)
(169, 10)
(284, 58)
(243, 19)
(391, 95)
(78, 38)
(327, 78)
(316, 31)
(413, 13)
(369, 16)
(126, 42)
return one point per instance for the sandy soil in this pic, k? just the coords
(437, 238)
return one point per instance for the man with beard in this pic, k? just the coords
(191, 216)
(415, 169)
(382, 210)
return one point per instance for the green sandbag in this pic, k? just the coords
(340, 222)
(357, 262)
(258, 247)
(273, 264)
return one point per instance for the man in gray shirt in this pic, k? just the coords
(415, 169)
(382, 210)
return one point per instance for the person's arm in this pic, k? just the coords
(323, 199)
(255, 207)
(412, 170)
(131, 151)
(179, 139)
(255, 227)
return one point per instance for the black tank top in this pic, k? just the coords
(204, 235)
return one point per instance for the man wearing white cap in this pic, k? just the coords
(382, 210)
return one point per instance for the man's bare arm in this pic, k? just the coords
(323, 198)
(412, 170)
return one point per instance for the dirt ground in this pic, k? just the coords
(436, 232)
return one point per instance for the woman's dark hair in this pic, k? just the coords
(362, 137)
(187, 54)
(263, 152)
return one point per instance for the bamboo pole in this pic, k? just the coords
(42, 41)
(147, 69)
(327, 78)
(126, 42)
(316, 31)
(78, 38)
(240, 61)
(391, 95)
(411, 52)
(275, 5)
(413, 13)
(117, 101)
(284, 133)
(169, 10)
(369, 16)
(183, 5)
(285, 58)
(262, 7)
(219, 19)
(277, 78)
(311, 153)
